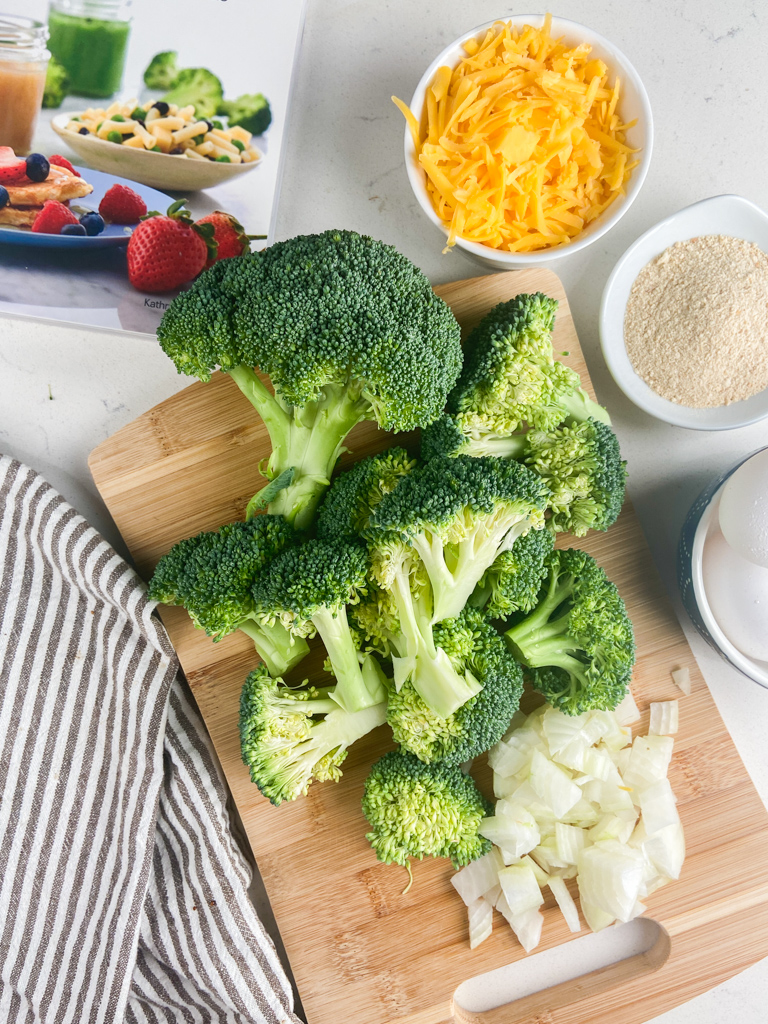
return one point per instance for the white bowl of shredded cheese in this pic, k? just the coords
(633, 106)
(701, 358)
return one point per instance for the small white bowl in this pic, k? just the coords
(634, 103)
(164, 171)
(721, 215)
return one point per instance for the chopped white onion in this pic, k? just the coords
(570, 840)
(565, 902)
(682, 679)
(627, 713)
(513, 828)
(480, 921)
(521, 890)
(527, 927)
(648, 760)
(477, 878)
(664, 718)
(610, 876)
(658, 806)
(553, 785)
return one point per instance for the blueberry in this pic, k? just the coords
(210, 125)
(161, 107)
(83, 131)
(4, 197)
(93, 223)
(37, 167)
(73, 229)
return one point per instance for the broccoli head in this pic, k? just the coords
(56, 84)
(578, 645)
(459, 515)
(292, 736)
(582, 466)
(198, 88)
(355, 495)
(162, 70)
(514, 580)
(347, 329)
(417, 810)
(211, 575)
(251, 112)
(471, 642)
(307, 590)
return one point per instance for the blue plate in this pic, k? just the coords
(113, 234)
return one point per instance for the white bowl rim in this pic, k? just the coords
(232, 169)
(747, 665)
(567, 249)
(638, 391)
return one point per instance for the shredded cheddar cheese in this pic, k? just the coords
(521, 143)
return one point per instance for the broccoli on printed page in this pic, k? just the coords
(293, 736)
(198, 88)
(56, 84)
(577, 645)
(510, 381)
(423, 810)
(514, 580)
(211, 575)
(471, 642)
(162, 70)
(251, 112)
(306, 591)
(347, 329)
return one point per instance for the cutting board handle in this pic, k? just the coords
(586, 999)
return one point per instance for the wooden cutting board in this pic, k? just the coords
(360, 950)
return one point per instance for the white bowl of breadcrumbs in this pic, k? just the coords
(684, 317)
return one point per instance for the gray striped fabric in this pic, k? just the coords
(122, 892)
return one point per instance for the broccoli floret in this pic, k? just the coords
(418, 810)
(347, 329)
(196, 87)
(577, 645)
(470, 641)
(211, 575)
(251, 112)
(459, 515)
(307, 590)
(162, 70)
(290, 737)
(510, 381)
(56, 84)
(582, 466)
(514, 580)
(355, 495)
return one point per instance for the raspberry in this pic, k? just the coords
(61, 161)
(52, 218)
(121, 205)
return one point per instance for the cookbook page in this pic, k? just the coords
(178, 100)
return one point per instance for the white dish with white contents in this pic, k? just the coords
(721, 215)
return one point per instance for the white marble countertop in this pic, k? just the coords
(63, 390)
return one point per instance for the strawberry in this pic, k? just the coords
(61, 161)
(13, 169)
(121, 205)
(229, 234)
(52, 218)
(167, 251)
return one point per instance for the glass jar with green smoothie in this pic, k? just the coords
(90, 38)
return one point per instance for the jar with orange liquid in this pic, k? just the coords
(23, 64)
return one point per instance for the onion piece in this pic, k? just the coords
(566, 902)
(477, 878)
(664, 718)
(610, 876)
(658, 806)
(521, 890)
(553, 784)
(480, 914)
(513, 828)
(627, 712)
(682, 679)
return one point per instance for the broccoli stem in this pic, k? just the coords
(355, 690)
(579, 407)
(276, 646)
(537, 633)
(308, 440)
(511, 447)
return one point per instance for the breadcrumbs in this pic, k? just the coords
(696, 325)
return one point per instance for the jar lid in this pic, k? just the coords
(109, 10)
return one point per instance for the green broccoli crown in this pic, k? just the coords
(56, 84)
(509, 375)
(162, 70)
(514, 580)
(250, 111)
(318, 576)
(355, 495)
(443, 437)
(578, 644)
(447, 496)
(471, 642)
(582, 465)
(334, 308)
(417, 810)
(290, 737)
(211, 574)
(197, 87)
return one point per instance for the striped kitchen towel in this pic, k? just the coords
(123, 895)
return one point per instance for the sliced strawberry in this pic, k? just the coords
(61, 161)
(13, 169)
